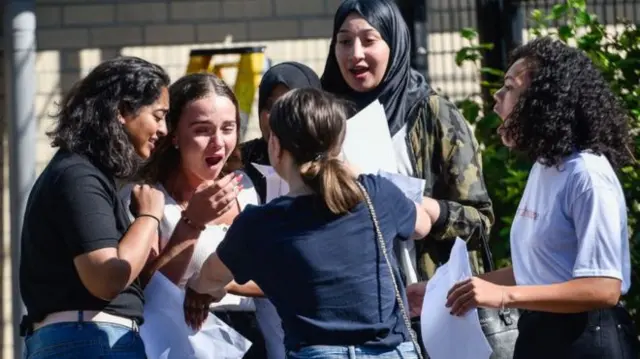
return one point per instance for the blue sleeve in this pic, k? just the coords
(403, 209)
(234, 250)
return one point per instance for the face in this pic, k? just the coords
(516, 81)
(148, 125)
(206, 136)
(361, 53)
(276, 93)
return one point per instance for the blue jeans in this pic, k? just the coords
(84, 340)
(403, 351)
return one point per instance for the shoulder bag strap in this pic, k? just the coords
(383, 248)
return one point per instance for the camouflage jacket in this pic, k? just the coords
(445, 153)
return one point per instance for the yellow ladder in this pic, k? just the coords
(250, 68)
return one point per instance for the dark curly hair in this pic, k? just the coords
(87, 122)
(165, 160)
(568, 107)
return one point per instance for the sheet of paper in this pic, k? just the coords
(412, 187)
(443, 333)
(367, 143)
(276, 186)
(167, 336)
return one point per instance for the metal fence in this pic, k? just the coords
(494, 19)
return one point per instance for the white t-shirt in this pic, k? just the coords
(571, 223)
(208, 241)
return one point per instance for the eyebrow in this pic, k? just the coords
(350, 32)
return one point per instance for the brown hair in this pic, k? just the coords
(311, 124)
(166, 158)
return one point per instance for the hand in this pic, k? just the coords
(196, 308)
(415, 297)
(212, 199)
(472, 293)
(147, 200)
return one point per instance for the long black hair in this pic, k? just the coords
(87, 122)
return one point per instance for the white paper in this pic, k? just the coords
(446, 336)
(276, 186)
(412, 187)
(367, 143)
(167, 336)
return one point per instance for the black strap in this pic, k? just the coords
(487, 256)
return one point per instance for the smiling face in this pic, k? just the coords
(148, 125)
(206, 136)
(361, 53)
(516, 81)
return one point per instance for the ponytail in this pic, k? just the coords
(334, 182)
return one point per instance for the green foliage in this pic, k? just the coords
(618, 57)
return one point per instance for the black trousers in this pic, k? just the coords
(246, 324)
(599, 334)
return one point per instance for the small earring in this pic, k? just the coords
(176, 146)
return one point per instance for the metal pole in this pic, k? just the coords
(20, 84)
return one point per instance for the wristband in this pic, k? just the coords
(191, 223)
(150, 216)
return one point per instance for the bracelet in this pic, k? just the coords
(191, 223)
(150, 216)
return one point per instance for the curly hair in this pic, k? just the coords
(87, 122)
(568, 107)
(165, 160)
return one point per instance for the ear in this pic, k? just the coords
(121, 118)
(274, 146)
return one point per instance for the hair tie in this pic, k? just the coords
(320, 157)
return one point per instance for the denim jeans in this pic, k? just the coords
(403, 351)
(84, 340)
(604, 333)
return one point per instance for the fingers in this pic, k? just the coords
(227, 182)
(463, 303)
(458, 285)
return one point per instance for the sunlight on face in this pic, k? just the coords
(206, 136)
(361, 53)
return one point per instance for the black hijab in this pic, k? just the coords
(402, 87)
(291, 74)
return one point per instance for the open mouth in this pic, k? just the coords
(359, 71)
(213, 160)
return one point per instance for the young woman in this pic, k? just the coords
(315, 252)
(80, 256)
(196, 168)
(369, 59)
(569, 239)
(277, 81)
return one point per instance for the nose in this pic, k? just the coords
(497, 96)
(357, 52)
(162, 128)
(216, 140)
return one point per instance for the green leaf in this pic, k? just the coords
(558, 11)
(468, 33)
(583, 18)
(565, 32)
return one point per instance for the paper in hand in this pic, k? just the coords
(368, 143)
(443, 333)
(276, 186)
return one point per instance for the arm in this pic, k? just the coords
(250, 289)
(502, 276)
(598, 266)
(597, 272)
(464, 204)
(213, 277)
(105, 263)
(175, 257)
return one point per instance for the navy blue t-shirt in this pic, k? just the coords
(325, 273)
